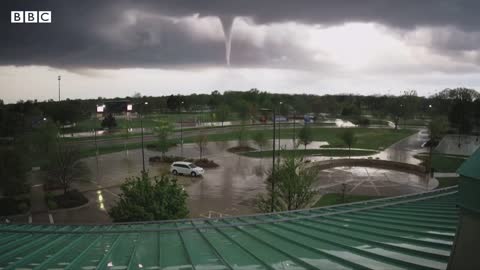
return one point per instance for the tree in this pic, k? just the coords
(65, 166)
(394, 109)
(13, 169)
(260, 139)
(201, 141)
(222, 113)
(147, 198)
(109, 121)
(461, 109)
(410, 104)
(174, 102)
(293, 187)
(436, 129)
(163, 130)
(242, 137)
(349, 138)
(305, 135)
(44, 139)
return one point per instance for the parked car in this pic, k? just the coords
(186, 168)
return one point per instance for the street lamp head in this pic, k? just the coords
(430, 106)
(281, 102)
(146, 102)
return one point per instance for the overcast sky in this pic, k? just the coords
(116, 48)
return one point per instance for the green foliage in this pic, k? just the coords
(242, 136)
(293, 187)
(201, 141)
(361, 121)
(73, 198)
(14, 206)
(109, 121)
(52, 204)
(305, 136)
(260, 139)
(13, 169)
(351, 110)
(43, 139)
(145, 199)
(349, 138)
(317, 152)
(163, 130)
(437, 128)
(222, 113)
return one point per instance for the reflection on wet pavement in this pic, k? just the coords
(372, 181)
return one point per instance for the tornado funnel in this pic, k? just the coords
(227, 25)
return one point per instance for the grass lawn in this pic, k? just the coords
(149, 121)
(309, 152)
(374, 139)
(443, 163)
(367, 138)
(444, 182)
(336, 198)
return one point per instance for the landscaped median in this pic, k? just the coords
(334, 152)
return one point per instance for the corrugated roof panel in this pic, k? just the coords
(414, 231)
(470, 168)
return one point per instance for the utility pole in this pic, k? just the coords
(59, 78)
(141, 128)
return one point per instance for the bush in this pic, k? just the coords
(205, 163)
(168, 159)
(150, 198)
(23, 207)
(237, 149)
(11, 206)
(362, 121)
(70, 199)
(51, 204)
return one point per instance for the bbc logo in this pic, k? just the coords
(31, 17)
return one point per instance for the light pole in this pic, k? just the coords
(181, 130)
(59, 78)
(141, 131)
(272, 208)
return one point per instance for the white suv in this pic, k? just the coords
(186, 168)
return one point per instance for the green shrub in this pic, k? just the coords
(51, 204)
(150, 198)
(23, 207)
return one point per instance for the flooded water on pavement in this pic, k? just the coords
(231, 189)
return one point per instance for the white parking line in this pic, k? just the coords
(30, 219)
(50, 218)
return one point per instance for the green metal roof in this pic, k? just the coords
(409, 232)
(469, 190)
(471, 167)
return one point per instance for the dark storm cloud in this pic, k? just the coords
(96, 34)
(397, 13)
